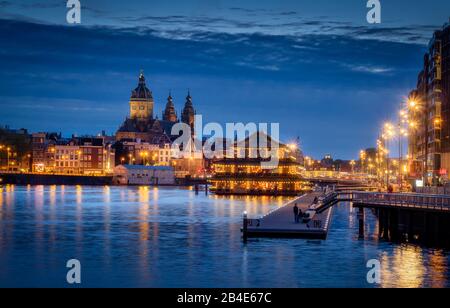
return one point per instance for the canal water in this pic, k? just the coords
(170, 237)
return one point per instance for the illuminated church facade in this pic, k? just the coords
(141, 123)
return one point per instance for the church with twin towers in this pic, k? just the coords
(141, 124)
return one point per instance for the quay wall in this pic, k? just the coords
(61, 179)
(53, 179)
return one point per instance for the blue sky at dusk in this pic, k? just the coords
(316, 67)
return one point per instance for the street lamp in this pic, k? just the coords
(146, 156)
(8, 150)
(2, 147)
(414, 105)
(353, 163)
(362, 156)
(388, 133)
(401, 134)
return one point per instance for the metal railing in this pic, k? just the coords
(417, 201)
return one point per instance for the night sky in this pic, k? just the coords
(316, 67)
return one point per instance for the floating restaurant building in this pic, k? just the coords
(246, 174)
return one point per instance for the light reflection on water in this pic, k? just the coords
(169, 237)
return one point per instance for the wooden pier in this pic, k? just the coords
(405, 217)
(281, 222)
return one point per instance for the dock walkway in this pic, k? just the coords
(281, 222)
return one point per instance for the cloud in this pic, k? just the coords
(27, 103)
(242, 21)
(79, 78)
(44, 5)
(288, 13)
(247, 10)
(4, 4)
(289, 23)
(271, 68)
(371, 69)
(199, 52)
(95, 11)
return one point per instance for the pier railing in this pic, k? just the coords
(417, 201)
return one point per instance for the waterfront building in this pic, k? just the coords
(96, 156)
(144, 153)
(143, 175)
(77, 155)
(141, 123)
(326, 167)
(67, 158)
(429, 106)
(15, 149)
(136, 152)
(244, 174)
(190, 162)
(145, 140)
(43, 151)
(368, 161)
(188, 167)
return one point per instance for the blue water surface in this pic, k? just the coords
(170, 237)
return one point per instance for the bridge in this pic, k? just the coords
(401, 216)
(334, 181)
(411, 201)
(404, 216)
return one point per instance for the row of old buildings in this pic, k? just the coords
(141, 152)
(429, 109)
(77, 155)
(142, 139)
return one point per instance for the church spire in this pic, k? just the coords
(188, 113)
(169, 113)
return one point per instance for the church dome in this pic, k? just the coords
(142, 92)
